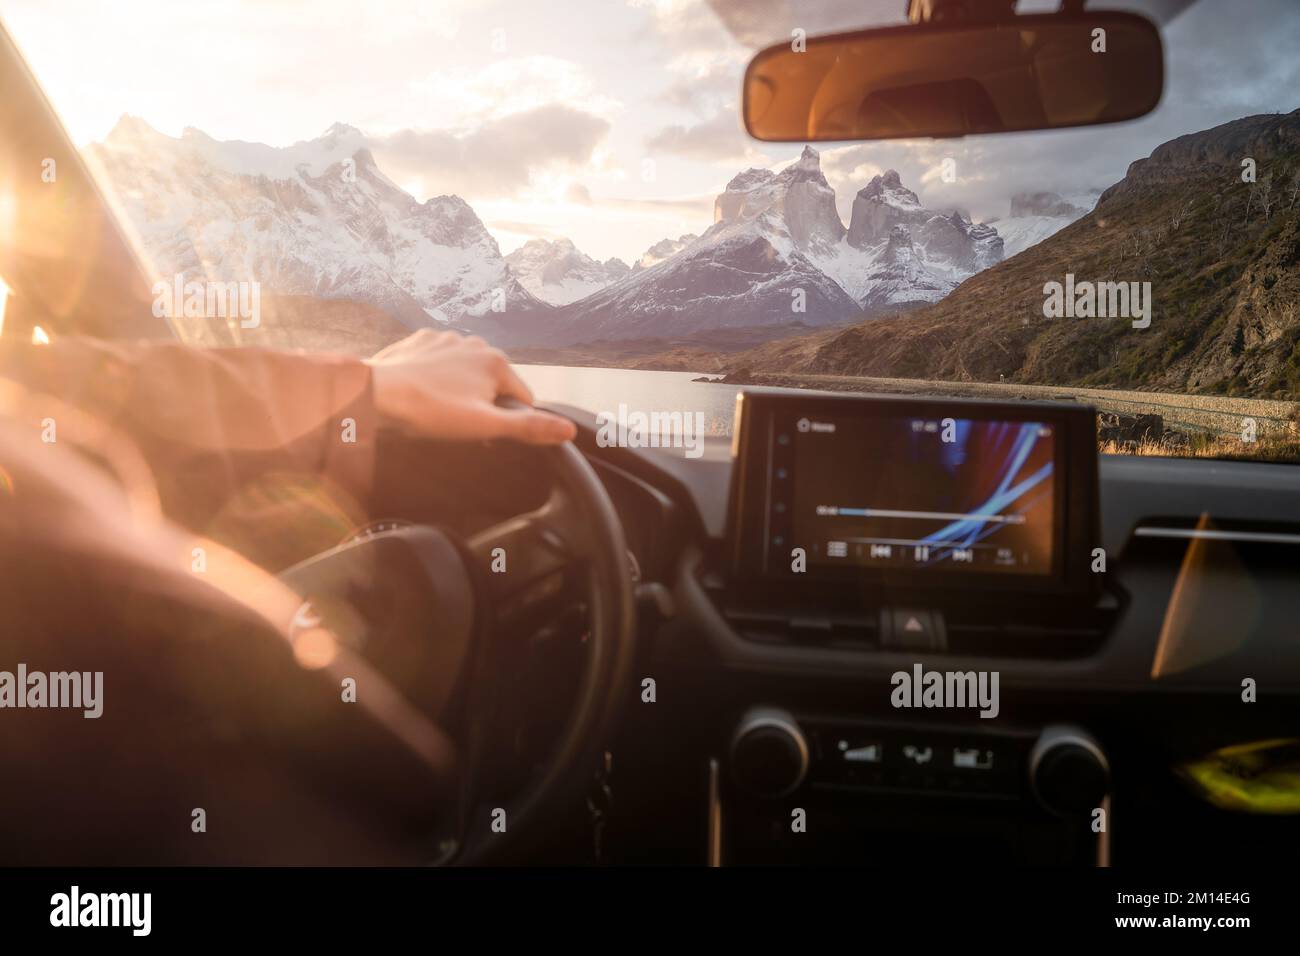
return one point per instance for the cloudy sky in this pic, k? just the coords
(612, 123)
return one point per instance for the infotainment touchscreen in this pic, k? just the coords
(913, 493)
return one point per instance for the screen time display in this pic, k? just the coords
(914, 494)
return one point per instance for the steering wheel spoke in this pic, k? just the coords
(530, 561)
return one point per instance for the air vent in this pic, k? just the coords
(847, 631)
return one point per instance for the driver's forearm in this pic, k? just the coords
(208, 421)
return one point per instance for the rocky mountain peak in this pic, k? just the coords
(803, 178)
(340, 130)
(663, 249)
(807, 167)
(750, 178)
(798, 198)
(558, 272)
(129, 128)
(888, 188)
(302, 228)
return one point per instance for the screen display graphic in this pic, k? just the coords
(915, 494)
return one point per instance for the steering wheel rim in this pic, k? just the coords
(591, 523)
(578, 527)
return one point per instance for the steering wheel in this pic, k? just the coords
(465, 595)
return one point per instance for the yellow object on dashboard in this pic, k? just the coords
(1260, 777)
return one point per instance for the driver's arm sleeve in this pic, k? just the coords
(207, 421)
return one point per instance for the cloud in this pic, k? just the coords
(988, 170)
(497, 159)
(531, 229)
(706, 81)
(719, 139)
(758, 23)
(684, 24)
(697, 209)
(510, 86)
(578, 193)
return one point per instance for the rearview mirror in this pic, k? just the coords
(1028, 72)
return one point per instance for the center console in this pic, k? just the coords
(926, 524)
(923, 545)
(851, 497)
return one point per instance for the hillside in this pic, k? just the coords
(1222, 257)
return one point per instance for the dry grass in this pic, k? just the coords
(1285, 448)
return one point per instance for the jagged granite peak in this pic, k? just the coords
(317, 217)
(799, 196)
(880, 205)
(888, 187)
(945, 248)
(807, 166)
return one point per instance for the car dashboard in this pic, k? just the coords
(1168, 696)
(775, 724)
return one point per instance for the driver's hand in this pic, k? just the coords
(445, 385)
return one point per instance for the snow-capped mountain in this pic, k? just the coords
(779, 253)
(661, 250)
(1037, 215)
(556, 271)
(315, 218)
(897, 253)
(320, 219)
(754, 266)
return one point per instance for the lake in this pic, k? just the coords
(602, 389)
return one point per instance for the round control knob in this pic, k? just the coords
(769, 755)
(1068, 771)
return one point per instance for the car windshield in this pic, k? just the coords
(573, 183)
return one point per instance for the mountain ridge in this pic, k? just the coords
(778, 253)
(319, 218)
(1222, 256)
(315, 218)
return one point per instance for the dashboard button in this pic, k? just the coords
(915, 629)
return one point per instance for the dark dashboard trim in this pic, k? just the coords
(1136, 492)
